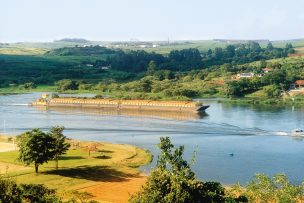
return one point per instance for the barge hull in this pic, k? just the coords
(130, 107)
(173, 106)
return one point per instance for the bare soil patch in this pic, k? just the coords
(115, 191)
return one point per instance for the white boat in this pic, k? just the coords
(297, 132)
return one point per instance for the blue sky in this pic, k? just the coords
(46, 20)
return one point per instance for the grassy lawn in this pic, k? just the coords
(108, 163)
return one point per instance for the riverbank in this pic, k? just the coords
(297, 101)
(18, 90)
(109, 172)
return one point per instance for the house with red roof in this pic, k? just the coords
(267, 70)
(296, 88)
(299, 84)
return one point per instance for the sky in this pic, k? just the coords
(123, 20)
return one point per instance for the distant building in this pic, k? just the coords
(105, 67)
(299, 84)
(245, 75)
(297, 88)
(267, 70)
(143, 46)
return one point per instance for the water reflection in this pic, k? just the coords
(125, 112)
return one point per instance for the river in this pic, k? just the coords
(258, 137)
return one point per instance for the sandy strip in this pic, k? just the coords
(5, 147)
(115, 191)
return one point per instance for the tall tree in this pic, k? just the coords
(60, 146)
(230, 51)
(218, 53)
(151, 68)
(35, 147)
(270, 46)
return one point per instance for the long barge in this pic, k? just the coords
(120, 104)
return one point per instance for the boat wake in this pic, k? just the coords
(281, 133)
(9, 104)
(19, 104)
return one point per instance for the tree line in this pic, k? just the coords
(99, 63)
(192, 58)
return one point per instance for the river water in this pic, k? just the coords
(258, 137)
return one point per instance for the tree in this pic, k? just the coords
(151, 68)
(35, 147)
(209, 53)
(218, 53)
(263, 64)
(146, 84)
(66, 84)
(289, 48)
(272, 91)
(234, 89)
(60, 146)
(254, 46)
(28, 85)
(230, 51)
(270, 46)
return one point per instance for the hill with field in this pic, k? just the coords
(193, 69)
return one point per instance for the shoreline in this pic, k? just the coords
(277, 102)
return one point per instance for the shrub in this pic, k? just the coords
(9, 190)
(38, 193)
(265, 189)
(28, 85)
(63, 85)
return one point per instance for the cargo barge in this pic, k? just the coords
(120, 104)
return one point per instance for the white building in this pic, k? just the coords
(245, 75)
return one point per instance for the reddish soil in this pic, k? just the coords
(115, 191)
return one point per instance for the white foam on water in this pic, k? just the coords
(18, 104)
(282, 133)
